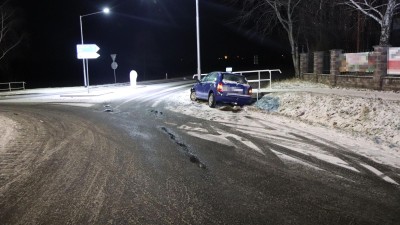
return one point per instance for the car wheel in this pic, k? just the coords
(193, 96)
(211, 100)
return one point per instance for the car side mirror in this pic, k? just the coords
(195, 77)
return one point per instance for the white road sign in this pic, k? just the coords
(114, 65)
(87, 51)
(113, 56)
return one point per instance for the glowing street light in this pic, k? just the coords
(106, 10)
(85, 61)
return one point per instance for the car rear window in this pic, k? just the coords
(233, 78)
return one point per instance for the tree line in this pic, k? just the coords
(315, 25)
(11, 34)
(307, 25)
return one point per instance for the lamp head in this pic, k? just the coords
(106, 10)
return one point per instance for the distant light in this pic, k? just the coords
(228, 69)
(226, 57)
(106, 10)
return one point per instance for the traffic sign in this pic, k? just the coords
(113, 56)
(88, 55)
(87, 51)
(114, 65)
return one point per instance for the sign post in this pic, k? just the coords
(114, 66)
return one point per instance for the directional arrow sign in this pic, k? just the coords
(87, 51)
(88, 55)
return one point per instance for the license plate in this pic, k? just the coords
(231, 89)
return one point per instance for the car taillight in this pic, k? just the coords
(219, 87)
(250, 91)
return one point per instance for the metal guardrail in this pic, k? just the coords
(201, 75)
(259, 80)
(12, 86)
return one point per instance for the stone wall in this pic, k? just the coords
(355, 81)
(323, 79)
(303, 63)
(310, 77)
(391, 83)
(379, 80)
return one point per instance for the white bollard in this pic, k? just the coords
(133, 77)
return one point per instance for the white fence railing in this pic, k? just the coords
(259, 80)
(12, 86)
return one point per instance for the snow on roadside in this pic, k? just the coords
(358, 120)
(376, 119)
(296, 83)
(373, 117)
(7, 130)
(360, 113)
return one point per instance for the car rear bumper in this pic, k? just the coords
(234, 99)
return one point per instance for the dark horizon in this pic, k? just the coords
(153, 38)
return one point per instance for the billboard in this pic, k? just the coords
(358, 62)
(393, 61)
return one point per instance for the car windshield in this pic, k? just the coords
(233, 78)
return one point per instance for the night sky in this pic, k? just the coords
(153, 37)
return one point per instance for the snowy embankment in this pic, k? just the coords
(7, 130)
(365, 113)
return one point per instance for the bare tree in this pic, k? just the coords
(329, 24)
(8, 38)
(380, 11)
(266, 14)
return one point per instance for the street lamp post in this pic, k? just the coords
(85, 61)
(198, 40)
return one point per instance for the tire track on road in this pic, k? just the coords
(65, 160)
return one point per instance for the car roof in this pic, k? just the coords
(221, 72)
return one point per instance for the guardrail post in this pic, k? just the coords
(259, 83)
(270, 79)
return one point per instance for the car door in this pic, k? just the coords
(210, 84)
(200, 91)
(205, 85)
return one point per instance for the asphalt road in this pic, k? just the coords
(129, 160)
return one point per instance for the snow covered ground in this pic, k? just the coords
(365, 121)
(367, 113)
(7, 130)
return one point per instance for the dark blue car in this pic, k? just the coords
(222, 87)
